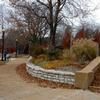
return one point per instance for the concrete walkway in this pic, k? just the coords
(12, 87)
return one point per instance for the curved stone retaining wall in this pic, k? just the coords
(51, 75)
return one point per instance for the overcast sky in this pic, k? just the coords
(93, 3)
(95, 17)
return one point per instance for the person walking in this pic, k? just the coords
(5, 55)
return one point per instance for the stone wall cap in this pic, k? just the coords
(91, 66)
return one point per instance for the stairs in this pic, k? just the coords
(96, 81)
(95, 86)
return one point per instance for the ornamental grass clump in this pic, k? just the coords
(54, 54)
(84, 50)
(68, 56)
(38, 60)
(54, 64)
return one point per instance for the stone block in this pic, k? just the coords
(83, 80)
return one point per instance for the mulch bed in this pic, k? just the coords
(21, 70)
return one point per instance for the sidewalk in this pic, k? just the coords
(12, 87)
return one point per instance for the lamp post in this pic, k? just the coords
(16, 47)
(3, 34)
(3, 31)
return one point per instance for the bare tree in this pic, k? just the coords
(54, 11)
(39, 14)
(28, 21)
(50, 11)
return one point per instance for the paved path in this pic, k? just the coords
(12, 87)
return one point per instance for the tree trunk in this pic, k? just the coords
(53, 40)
